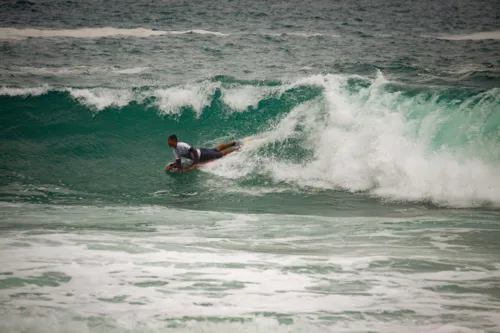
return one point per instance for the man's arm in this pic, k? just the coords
(195, 154)
(177, 164)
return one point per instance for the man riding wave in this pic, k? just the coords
(183, 150)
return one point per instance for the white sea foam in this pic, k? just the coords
(361, 142)
(240, 98)
(94, 98)
(132, 70)
(13, 33)
(202, 265)
(197, 96)
(33, 91)
(494, 35)
(101, 98)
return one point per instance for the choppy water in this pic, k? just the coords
(367, 200)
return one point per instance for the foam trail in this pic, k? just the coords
(494, 35)
(12, 33)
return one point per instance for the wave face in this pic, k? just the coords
(344, 133)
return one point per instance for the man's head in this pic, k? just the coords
(172, 141)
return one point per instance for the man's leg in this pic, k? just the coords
(229, 151)
(225, 145)
(209, 154)
(212, 154)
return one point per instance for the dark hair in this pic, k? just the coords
(173, 137)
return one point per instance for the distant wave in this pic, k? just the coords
(197, 31)
(169, 101)
(75, 70)
(303, 34)
(495, 35)
(20, 34)
(309, 34)
(101, 98)
(12, 33)
(33, 91)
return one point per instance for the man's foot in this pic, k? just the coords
(229, 151)
(229, 144)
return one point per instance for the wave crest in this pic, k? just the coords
(332, 132)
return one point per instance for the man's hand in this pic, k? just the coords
(176, 164)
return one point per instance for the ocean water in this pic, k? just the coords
(367, 200)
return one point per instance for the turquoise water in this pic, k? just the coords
(367, 199)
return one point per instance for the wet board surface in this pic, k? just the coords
(191, 168)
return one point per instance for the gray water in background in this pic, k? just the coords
(428, 43)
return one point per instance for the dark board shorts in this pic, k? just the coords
(209, 154)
